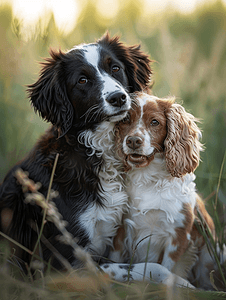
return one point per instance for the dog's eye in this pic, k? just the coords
(154, 123)
(82, 80)
(115, 69)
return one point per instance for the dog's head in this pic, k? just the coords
(89, 84)
(156, 125)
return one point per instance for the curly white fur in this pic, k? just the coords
(102, 222)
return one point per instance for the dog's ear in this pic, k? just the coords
(48, 94)
(137, 63)
(182, 146)
(140, 75)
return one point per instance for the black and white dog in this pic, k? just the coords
(82, 92)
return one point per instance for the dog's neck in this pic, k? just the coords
(101, 143)
(100, 140)
(153, 187)
(154, 172)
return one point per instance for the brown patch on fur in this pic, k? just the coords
(155, 110)
(186, 261)
(196, 236)
(6, 219)
(202, 210)
(119, 238)
(48, 143)
(190, 227)
(181, 239)
(189, 216)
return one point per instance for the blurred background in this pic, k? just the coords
(186, 39)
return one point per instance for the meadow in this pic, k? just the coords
(189, 61)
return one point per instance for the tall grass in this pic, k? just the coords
(190, 55)
(190, 62)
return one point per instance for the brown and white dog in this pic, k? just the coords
(159, 144)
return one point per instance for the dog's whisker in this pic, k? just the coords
(86, 114)
(97, 113)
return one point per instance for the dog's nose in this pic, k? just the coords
(117, 99)
(134, 142)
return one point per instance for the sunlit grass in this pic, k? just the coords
(190, 55)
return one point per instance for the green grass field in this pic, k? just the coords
(190, 62)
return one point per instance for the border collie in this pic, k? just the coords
(82, 92)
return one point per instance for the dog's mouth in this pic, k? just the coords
(118, 116)
(138, 160)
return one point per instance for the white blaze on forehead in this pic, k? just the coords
(110, 85)
(142, 102)
(140, 124)
(144, 99)
(147, 148)
(92, 55)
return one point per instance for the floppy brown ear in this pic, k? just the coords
(182, 146)
(48, 94)
(136, 62)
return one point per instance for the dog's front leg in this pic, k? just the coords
(175, 248)
(177, 243)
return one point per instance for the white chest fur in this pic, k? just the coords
(156, 202)
(101, 223)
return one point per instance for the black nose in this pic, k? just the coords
(134, 142)
(117, 99)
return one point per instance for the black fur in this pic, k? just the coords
(59, 99)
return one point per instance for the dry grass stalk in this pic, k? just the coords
(53, 215)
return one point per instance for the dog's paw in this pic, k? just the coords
(144, 271)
